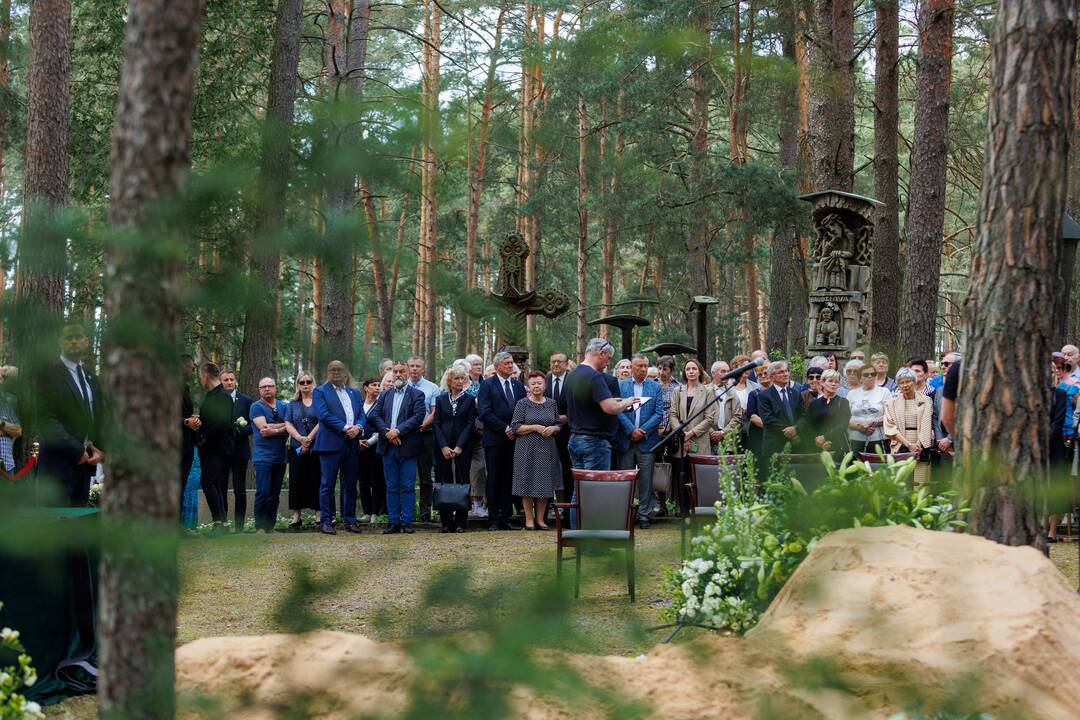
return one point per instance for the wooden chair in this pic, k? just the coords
(605, 511)
(704, 490)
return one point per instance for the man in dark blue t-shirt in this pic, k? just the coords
(592, 410)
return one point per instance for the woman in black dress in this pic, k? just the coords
(372, 482)
(455, 413)
(304, 474)
(829, 415)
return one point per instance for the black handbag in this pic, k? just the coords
(451, 496)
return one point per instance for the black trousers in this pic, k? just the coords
(214, 468)
(562, 442)
(372, 483)
(500, 480)
(423, 473)
(236, 468)
(187, 459)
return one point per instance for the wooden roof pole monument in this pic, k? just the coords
(518, 301)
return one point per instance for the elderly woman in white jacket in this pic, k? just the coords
(908, 423)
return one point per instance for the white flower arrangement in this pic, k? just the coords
(240, 423)
(95, 493)
(13, 705)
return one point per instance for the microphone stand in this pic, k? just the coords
(678, 431)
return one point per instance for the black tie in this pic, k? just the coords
(82, 388)
(509, 394)
(558, 390)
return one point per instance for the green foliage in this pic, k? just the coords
(739, 563)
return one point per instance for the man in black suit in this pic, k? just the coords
(781, 410)
(70, 417)
(238, 463)
(189, 426)
(495, 403)
(556, 390)
(215, 440)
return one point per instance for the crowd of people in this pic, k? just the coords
(353, 451)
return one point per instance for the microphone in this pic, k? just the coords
(745, 368)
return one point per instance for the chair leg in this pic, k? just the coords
(682, 538)
(577, 573)
(630, 571)
(558, 565)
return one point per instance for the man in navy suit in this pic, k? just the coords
(638, 432)
(340, 410)
(556, 390)
(396, 417)
(781, 410)
(70, 412)
(495, 401)
(238, 464)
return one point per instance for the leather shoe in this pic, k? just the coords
(391, 529)
(493, 527)
(644, 524)
(407, 529)
(354, 528)
(508, 526)
(327, 530)
(460, 530)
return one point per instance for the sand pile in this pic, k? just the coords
(894, 609)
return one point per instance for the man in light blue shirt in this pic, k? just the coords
(424, 463)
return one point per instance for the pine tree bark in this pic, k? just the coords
(378, 272)
(5, 79)
(1005, 391)
(1072, 318)
(885, 281)
(784, 308)
(149, 165)
(42, 251)
(925, 220)
(832, 94)
(429, 174)
(257, 356)
(697, 238)
(583, 226)
(348, 73)
(476, 184)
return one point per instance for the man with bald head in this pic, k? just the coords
(267, 417)
(340, 410)
(1072, 356)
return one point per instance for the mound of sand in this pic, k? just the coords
(896, 612)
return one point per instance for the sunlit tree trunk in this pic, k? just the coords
(149, 165)
(832, 93)
(583, 226)
(1005, 393)
(697, 236)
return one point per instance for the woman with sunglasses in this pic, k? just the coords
(867, 403)
(302, 424)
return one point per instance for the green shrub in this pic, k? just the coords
(13, 706)
(738, 564)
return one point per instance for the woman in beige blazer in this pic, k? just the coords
(908, 424)
(686, 401)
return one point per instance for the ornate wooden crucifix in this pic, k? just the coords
(518, 301)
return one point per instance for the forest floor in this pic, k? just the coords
(240, 585)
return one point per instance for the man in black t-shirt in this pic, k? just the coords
(592, 410)
(949, 392)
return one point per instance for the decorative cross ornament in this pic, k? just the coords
(519, 301)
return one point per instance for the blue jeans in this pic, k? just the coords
(587, 452)
(400, 474)
(268, 478)
(345, 462)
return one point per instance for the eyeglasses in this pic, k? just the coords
(945, 363)
(866, 375)
(306, 382)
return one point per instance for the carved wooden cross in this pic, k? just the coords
(519, 301)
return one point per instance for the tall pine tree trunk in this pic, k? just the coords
(1005, 391)
(832, 94)
(583, 227)
(885, 281)
(43, 247)
(378, 272)
(257, 356)
(697, 237)
(476, 186)
(149, 165)
(925, 219)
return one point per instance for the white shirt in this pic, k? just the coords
(74, 369)
(721, 411)
(346, 402)
(367, 411)
(639, 389)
